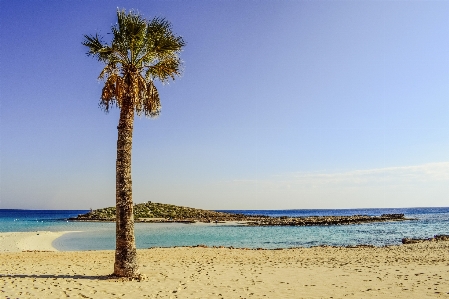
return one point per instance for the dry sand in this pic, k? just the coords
(407, 271)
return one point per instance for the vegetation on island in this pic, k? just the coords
(159, 211)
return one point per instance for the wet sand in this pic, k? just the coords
(407, 271)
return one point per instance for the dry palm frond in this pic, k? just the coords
(152, 101)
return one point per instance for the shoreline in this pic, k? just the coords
(29, 241)
(405, 271)
(43, 240)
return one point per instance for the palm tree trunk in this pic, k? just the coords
(125, 253)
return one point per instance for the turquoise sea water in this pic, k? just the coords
(100, 235)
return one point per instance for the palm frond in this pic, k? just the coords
(110, 69)
(129, 33)
(152, 101)
(165, 69)
(96, 47)
(161, 41)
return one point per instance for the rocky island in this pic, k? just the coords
(158, 212)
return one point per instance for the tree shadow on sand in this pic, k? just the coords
(63, 276)
(110, 277)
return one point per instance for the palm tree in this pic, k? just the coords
(140, 52)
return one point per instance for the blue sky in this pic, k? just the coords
(282, 105)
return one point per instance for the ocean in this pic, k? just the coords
(101, 235)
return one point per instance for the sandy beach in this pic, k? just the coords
(406, 271)
(22, 241)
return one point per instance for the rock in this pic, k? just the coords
(441, 237)
(393, 216)
(436, 238)
(412, 241)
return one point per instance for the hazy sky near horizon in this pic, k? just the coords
(282, 105)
